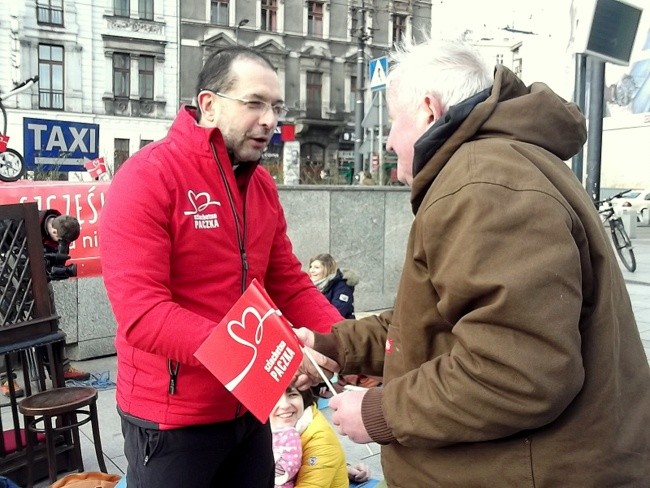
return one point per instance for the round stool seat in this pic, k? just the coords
(57, 401)
(62, 405)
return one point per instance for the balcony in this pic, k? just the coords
(134, 107)
(303, 110)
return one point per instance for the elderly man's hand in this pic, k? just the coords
(307, 375)
(347, 415)
(306, 336)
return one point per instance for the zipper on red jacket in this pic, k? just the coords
(173, 375)
(241, 235)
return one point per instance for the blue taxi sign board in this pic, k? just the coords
(59, 145)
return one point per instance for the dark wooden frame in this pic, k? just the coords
(30, 338)
(42, 321)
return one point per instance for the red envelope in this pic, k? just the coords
(253, 352)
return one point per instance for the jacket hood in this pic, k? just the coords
(351, 276)
(511, 110)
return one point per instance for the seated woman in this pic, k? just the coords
(323, 459)
(337, 285)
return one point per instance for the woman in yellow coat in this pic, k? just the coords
(323, 459)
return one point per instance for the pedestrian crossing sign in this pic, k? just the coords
(377, 69)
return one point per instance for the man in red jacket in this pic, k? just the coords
(188, 223)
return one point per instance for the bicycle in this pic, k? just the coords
(621, 240)
(12, 164)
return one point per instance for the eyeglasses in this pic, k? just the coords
(259, 106)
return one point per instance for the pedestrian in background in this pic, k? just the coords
(55, 227)
(336, 284)
(338, 287)
(188, 223)
(512, 356)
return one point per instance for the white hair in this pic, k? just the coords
(449, 70)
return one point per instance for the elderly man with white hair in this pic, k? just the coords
(512, 356)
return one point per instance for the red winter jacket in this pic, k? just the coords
(181, 237)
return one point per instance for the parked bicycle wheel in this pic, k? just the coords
(622, 244)
(12, 165)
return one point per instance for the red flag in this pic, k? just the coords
(287, 132)
(253, 352)
(95, 167)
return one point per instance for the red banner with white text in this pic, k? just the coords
(83, 201)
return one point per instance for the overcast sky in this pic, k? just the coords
(458, 15)
(549, 19)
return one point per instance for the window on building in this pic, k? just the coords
(121, 75)
(145, 9)
(121, 153)
(269, 15)
(355, 26)
(314, 89)
(353, 93)
(145, 79)
(49, 12)
(144, 142)
(50, 77)
(354, 23)
(499, 58)
(219, 12)
(122, 8)
(315, 19)
(399, 28)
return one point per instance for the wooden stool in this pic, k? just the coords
(64, 403)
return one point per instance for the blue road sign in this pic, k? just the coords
(58, 144)
(377, 70)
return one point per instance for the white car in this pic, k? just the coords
(635, 200)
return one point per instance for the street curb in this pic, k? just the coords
(634, 282)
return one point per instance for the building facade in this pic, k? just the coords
(110, 64)
(314, 46)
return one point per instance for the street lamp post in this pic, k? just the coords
(241, 23)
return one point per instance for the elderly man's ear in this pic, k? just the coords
(433, 107)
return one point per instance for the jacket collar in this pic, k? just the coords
(443, 128)
(198, 140)
(195, 138)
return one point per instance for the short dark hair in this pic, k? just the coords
(67, 227)
(216, 74)
(307, 397)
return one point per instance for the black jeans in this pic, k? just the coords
(230, 454)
